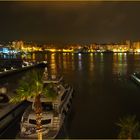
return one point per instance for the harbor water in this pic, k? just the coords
(103, 91)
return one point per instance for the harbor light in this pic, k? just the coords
(138, 50)
(3, 90)
(52, 50)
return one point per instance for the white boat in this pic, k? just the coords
(136, 77)
(53, 114)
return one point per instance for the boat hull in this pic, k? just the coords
(135, 79)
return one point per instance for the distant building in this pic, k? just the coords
(136, 46)
(18, 45)
(4, 50)
(114, 47)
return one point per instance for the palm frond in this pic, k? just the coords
(128, 127)
(29, 85)
(32, 85)
(49, 92)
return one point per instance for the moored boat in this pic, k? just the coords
(53, 110)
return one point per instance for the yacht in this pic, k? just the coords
(53, 110)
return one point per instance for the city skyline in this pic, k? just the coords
(70, 22)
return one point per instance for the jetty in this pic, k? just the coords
(25, 66)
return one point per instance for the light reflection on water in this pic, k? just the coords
(120, 63)
(91, 66)
(53, 64)
(72, 61)
(79, 61)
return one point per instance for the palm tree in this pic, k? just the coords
(32, 87)
(129, 128)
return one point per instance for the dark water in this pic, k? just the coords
(103, 91)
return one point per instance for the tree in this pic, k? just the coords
(31, 86)
(129, 128)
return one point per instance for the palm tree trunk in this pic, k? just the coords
(38, 111)
(129, 136)
(39, 135)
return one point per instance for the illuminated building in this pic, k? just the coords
(127, 46)
(136, 46)
(112, 47)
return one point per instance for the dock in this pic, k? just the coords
(23, 68)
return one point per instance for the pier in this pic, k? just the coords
(7, 72)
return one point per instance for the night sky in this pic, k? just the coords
(70, 22)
